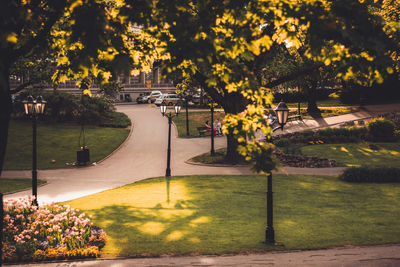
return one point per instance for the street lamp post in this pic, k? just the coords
(187, 115)
(170, 115)
(33, 107)
(282, 113)
(212, 129)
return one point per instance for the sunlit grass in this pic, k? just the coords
(226, 214)
(13, 185)
(57, 142)
(357, 155)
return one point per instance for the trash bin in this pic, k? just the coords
(83, 156)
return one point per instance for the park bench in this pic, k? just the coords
(202, 130)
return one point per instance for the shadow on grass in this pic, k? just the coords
(205, 220)
(226, 214)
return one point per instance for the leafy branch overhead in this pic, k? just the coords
(225, 45)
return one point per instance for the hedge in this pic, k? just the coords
(371, 175)
(116, 120)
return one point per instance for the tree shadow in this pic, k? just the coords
(204, 222)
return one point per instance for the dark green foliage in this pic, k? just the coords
(65, 107)
(292, 149)
(371, 175)
(116, 120)
(340, 135)
(328, 135)
(93, 109)
(61, 106)
(353, 93)
(282, 142)
(111, 88)
(381, 130)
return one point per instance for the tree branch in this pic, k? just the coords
(294, 75)
(20, 87)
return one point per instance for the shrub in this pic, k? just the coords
(116, 120)
(381, 130)
(371, 175)
(49, 232)
(64, 107)
(282, 142)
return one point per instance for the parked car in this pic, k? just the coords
(152, 97)
(140, 98)
(169, 99)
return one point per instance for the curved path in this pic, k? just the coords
(143, 155)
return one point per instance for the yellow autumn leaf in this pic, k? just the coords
(327, 62)
(12, 38)
(87, 92)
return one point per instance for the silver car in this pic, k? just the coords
(169, 99)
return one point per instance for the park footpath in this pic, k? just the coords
(142, 156)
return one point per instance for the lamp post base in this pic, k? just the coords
(270, 236)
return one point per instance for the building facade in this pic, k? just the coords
(133, 85)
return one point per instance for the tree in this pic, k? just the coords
(222, 44)
(83, 37)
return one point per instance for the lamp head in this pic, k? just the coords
(282, 113)
(40, 104)
(163, 108)
(29, 105)
(177, 108)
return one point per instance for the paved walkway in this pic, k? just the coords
(373, 256)
(143, 155)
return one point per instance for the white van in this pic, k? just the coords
(152, 97)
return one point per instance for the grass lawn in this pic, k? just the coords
(218, 157)
(357, 155)
(13, 185)
(58, 142)
(227, 214)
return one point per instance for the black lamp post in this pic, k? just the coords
(187, 115)
(282, 113)
(212, 129)
(33, 107)
(170, 115)
(1, 228)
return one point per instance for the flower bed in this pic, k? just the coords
(48, 233)
(302, 161)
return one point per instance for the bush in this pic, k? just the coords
(371, 175)
(48, 232)
(63, 107)
(282, 142)
(339, 135)
(116, 120)
(381, 130)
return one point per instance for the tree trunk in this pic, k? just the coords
(5, 111)
(233, 103)
(232, 156)
(311, 93)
